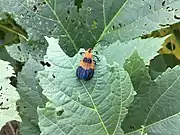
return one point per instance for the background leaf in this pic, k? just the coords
(82, 26)
(8, 95)
(156, 103)
(138, 18)
(21, 51)
(75, 27)
(97, 106)
(118, 51)
(31, 97)
(160, 63)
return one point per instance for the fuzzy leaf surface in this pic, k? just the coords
(155, 109)
(97, 106)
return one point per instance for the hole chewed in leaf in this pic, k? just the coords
(163, 25)
(53, 76)
(149, 6)
(45, 63)
(163, 3)
(50, 32)
(73, 20)
(176, 17)
(170, 46)
(59, 113)
(4, 108)
(132, 127)
(19, 48)
(78, 4)
(22, 15)
(113, 27)
(89, 10)
(169, 9)
(35, 9)
(13, 80)
(68, 11)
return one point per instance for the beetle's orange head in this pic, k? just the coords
(88, 53)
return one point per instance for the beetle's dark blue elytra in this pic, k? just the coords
(84, 74)
(85, 71)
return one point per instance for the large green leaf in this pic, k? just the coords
(31, 97)
(137, 70)
(156, 108)
(75, 27)
(8, 95)
(5, 56)
(97, 106)
(118, 51)
(140, 17)
(96, 19)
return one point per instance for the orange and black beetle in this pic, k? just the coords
(85, 71)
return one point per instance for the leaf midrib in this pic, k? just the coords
(145, 127)
(60, 23)
(109, 24)
(160, 98)
(92, 101)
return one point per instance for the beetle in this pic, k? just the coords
(85, 70)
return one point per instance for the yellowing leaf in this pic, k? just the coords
(171, 46)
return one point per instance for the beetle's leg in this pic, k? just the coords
(82, 53)
(94, 62)
(96, 52)
(96, 57)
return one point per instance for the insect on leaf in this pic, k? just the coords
(97, 106)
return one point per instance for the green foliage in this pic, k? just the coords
(46, 36)
(31, 97)
(118, 51)
(96, 20)
(156, 103)
(8, 95)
